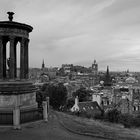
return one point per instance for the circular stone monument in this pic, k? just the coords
(17, 94)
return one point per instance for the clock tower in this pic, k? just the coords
(95, 68)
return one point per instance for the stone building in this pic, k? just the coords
(125, 106)
(89, 107)
(129, 92)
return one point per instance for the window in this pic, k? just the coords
(84, 108)
(134, 108)
(107, 102)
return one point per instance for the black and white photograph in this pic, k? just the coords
(69, 69)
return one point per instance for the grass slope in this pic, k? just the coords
(99, 128)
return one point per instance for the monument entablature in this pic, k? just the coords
(16, 25)
(10, 28)
(13, 32)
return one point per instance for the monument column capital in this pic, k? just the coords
(12, 38)
(28, 40)
(22, 39)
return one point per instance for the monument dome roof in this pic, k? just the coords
(17, 25)
(14, 25)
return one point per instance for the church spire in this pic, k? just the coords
(94, 61)
(107, 81)
(107, 72)
(43, 64)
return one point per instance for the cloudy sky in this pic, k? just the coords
(79, 31)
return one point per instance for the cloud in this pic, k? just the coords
(78, 31)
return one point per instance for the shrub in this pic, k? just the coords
(88, 115)
(113, 115)
(126, 120)
(70, 103)
(136, 121)
(99, 116)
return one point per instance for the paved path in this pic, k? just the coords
(51, 130)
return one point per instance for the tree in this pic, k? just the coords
(70, 103)
(82, 94)
(113, 115)
(57, 95)
(39, 98)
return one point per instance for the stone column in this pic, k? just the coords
(1, 58)
(26, 60)
(16, 113)
(45, 111)
(22, 51)
(15, 56)
(48, 102)
(16, 118)
(4, 59)
(12, 58)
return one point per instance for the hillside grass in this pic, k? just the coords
(99, 128)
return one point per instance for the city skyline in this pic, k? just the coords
(77, 32)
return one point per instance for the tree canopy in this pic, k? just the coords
(82, 94)
(56, 93)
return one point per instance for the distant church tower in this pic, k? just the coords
(94, 73)
(107, 81)
(95, 68)
(43, 65)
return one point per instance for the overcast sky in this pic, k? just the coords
(79, 31)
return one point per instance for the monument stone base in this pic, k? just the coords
(18, 103)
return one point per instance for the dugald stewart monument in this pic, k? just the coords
(17, 93)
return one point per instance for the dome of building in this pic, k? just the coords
(130, 80)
